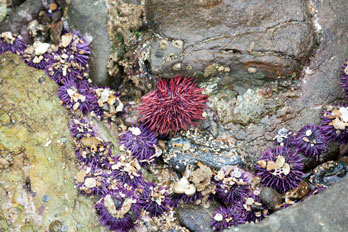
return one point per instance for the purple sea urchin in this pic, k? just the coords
(37, 56)
(183, 198)
(231, 186)
(226, 217)
(311, 141)
(175, 104)
(12, 43)
(118, 210)
(126, 170)
(280, 169)
(76, 98)
(81, 128)
(154, 199)
(334, 123)
(90, 181)
(91, 151)
(141, 142)
(344, 77)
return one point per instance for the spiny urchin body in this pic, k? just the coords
(311, 141)
(255, 211)
(93, 152)
(12, 43)
(344, 77)
(141, 143)
(226, 217)
(280, 168)
(283, 138)
(80, 48)
(333, 123)
(37, 56)
(183, 198)
(125, 170)
(80, 128)
(92, 181)
(231, 186)
(154, 199)
(118, 210)
(76, 98)
(175, 104)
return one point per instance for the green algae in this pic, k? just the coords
(34, 127)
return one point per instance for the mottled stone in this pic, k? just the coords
(270, 198)
(91, 17)
(196, 218)
(251, 33)
(324, 212)
(37, 192)
(19, 18)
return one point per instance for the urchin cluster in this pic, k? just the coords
(280, 168)
(175, 104)
(92, 181)
(334, 123)
(37, 56)
(344, 77)
(226, 217)
(141, 142)
(93, 152)
(11, 43)
(76, 97)
(125, 170)
(118, 210)
(69, 61)
(154, 199)
(80, 128)
(231, 186)
(311, 141)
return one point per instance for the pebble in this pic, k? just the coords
(271, 198)
(46, 198)
(41, 80)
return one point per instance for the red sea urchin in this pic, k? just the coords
(280, 169)
(175, 104)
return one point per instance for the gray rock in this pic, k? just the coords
(196, 218)
(324, 212)
(183, 150)
(270, 198)
(19, 18)
(301, 99)
(230, 33)
(91, 17)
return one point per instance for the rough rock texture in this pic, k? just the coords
(324, 212)
(196, 218)
(37, 165)
(18, 20)
(275, 36)
(3, 10)
(91, 18)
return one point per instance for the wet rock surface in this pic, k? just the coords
(196, 217)
(37, 165)
(90, 17)
(251, 34)
(19, 18)
(323, 212)
(193, 146)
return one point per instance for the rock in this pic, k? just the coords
(90, 17)
(270, 198)
(3, 10)
(19, 18)
(192, 147)
(294, 101)
(323, 212)
(233, 33)
(196, 218)
(37, 192)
